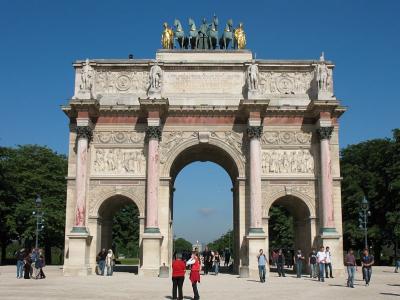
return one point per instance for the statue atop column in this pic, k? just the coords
(167, 37)
(323, 77)
(86, 83)
(240, 37)
(155, 77)
(252, 81)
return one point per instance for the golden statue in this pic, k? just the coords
(167, 37)
(240, 37)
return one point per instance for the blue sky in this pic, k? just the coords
(40, 39)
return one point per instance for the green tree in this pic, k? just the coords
(372, 169)
(225, 241)
(280, 229)
(26, 172)
(181, 245)
(125, 231)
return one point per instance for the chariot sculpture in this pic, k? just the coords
(205, 37)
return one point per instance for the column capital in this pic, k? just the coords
(325, 132)
(254, 131)
(84, 132)
(154, 132)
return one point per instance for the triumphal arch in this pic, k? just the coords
(135, 123)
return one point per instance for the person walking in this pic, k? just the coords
(207, 256)
(109, 263)
(178, 276)
(328, 263)
(298, 259)
(262, 261)
(227, 257)
(194, 277)
(217, 260)
(280, 263)
(397, 262)
(27, 266)
(351, 267)
(367, 261)
(41, 264)
(312, 261)
(321, 258)
(20, 255)
(35, 263)
(101, 257)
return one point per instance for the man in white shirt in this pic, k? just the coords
(321, 260)
(328, 263)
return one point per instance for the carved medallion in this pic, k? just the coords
(123, 82)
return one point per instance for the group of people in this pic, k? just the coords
(105, 262)
(320, 264)
(30, 263)
(208, 260)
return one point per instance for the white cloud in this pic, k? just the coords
(206, 211)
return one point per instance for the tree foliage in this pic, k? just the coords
(181, 245)
(26, 172)
(372, 169)
(125, 231)
(280, 229)
(222, 243)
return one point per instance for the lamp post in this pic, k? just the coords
(364, 214)
(39, 219)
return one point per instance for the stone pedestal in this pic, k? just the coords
(255, 243)
(78, 254)
(151, 243)
(334, 242)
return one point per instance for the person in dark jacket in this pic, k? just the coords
(20, 255)
(280, 263)
(27, 266)
(101, 258)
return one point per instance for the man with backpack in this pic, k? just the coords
(262, 261)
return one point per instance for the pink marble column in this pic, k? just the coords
(153, 136)
(84, 134)
(254, 133)
(328, 224)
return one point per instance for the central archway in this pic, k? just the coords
(211, 153)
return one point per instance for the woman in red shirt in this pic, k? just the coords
(178, 276)
(194, 273)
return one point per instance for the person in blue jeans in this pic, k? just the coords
(298, 259)
(20, 255)
(101, 257)
(397, 263)
(367, 260)
(262, 261)
(321, 260)
(350, 262)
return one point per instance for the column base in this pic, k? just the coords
(244, 272)
(151, 262)
(77, 263)
(333, 240)
(256, 241)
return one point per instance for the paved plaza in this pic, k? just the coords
(385, 285)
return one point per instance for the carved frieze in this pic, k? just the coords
(170, 140)
(118, 137)
(286, 83)
(287, 162)
(111, 82)
(116, 161)
(286, 137)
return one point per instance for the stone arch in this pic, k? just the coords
(307, 200)
(176, 151)
(115, 193)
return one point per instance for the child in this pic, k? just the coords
(194, 273)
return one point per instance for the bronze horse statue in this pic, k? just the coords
(213, 34)
(179, 34)
(192, 39)
(227, 36)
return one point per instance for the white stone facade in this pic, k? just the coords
(268, 138)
